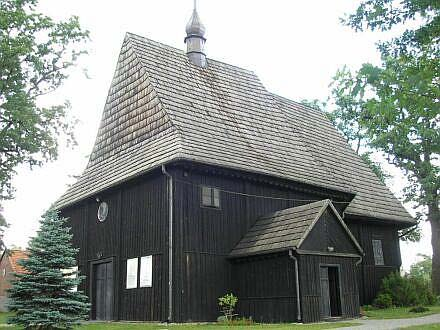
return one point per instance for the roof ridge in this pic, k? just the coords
(181, 51)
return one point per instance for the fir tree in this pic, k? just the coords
(44, 297)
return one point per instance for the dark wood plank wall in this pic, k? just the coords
(204, 237)
(328, 232)
(310, 289)
(136, 226)
(369, 275)
(266, 288)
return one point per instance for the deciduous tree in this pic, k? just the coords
(402, 118)
(36, 54)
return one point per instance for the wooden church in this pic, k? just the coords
(201, 183)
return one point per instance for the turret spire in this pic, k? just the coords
(195, 39)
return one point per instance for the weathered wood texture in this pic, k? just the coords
(266, 288)
(162, 108)
(281, 230)
(310, 289)
(136, 226)
(328, 232)
(205, 236)
(369, 275)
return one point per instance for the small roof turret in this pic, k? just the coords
(195, 39)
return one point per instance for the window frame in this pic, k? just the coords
(213, 191)
(379, 259)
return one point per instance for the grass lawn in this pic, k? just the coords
(399, 313)
(156, 326)
(4, 317)
(424, 327)
(121, 326)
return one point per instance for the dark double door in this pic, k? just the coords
(330, 292)
(102, 308)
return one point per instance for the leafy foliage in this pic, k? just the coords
(402, 118)
(422, 269)
(348, 97)
(36, 54)
(384, 15)
(43, 297)
(383, 300)
(227, 305)
(406, 291)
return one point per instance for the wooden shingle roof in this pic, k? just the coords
(14, 256)
(162, 108)
(285, 229)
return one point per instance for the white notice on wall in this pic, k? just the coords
(132, 270)
(146, 275)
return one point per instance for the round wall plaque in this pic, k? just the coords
(102, 211)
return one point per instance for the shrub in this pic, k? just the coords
(419, 309)
(407, 291)
(383, 300)
(227, 305)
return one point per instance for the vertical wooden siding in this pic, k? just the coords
(328, 232)
(310, 289)
(266, 288)
(369, 275)
(136, 226)
(205, 236)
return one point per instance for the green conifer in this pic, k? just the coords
(44, 296)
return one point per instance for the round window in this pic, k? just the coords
(102, 211)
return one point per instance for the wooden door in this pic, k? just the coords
(325, 293)
(103, 291)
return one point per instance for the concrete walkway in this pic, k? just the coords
(394, 323)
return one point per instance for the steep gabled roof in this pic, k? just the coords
(286, 229)
(162, 108)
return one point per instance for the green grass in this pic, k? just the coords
(4, 317)
(213, 326)
(398, 313)
(435, 326)
(144, 326)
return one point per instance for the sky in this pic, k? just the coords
(295, 47)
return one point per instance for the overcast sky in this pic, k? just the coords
(295, 47)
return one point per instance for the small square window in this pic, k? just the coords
(210, 197)
(378, 252)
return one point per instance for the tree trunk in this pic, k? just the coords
(434, 219)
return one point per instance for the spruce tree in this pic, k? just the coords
(44, 297)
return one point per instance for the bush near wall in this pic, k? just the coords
(404, 291)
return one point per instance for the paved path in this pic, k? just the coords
(394, 323)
